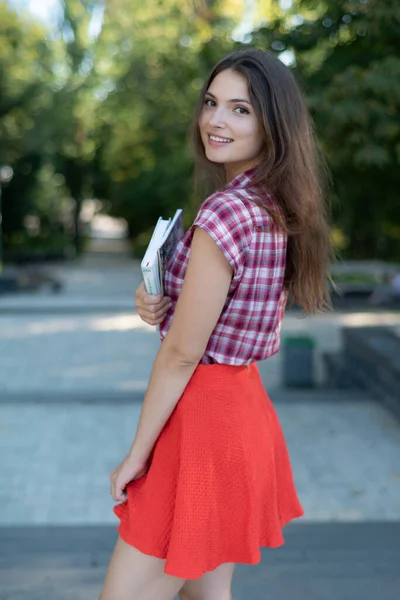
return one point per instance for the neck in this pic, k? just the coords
(232, 171)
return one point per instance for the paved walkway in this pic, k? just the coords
(70, 392)
(73, 371)
(56, 458)
(89, 339)
(319, 562)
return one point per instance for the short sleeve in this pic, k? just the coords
(227, 220)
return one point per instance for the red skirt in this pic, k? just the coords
(220, 483)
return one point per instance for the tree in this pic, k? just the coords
(348, 61)
(72, 134)
(25, 70)
(164, 51)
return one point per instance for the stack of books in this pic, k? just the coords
(163, 242)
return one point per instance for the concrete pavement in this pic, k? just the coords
(318, 562)
(56, 458)
(72, 376)
(89, 338)
(70, 392)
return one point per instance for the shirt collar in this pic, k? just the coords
(242, 179)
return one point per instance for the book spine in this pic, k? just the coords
(152, 286)
(160, 271)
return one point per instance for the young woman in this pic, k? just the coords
(208, 481)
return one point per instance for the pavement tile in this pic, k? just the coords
(70, 391)
(336, 561)
(73, 372)
(345, 456)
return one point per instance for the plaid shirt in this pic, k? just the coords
(248, 329)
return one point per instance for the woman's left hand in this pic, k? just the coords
(129, 470)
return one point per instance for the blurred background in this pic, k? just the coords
(96, 98)
(95, 102)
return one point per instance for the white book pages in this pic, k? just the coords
(155, 241)
(164, 240)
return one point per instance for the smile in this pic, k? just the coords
(218, 139)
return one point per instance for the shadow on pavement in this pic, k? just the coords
(327, 561)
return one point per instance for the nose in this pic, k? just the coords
(218, 118)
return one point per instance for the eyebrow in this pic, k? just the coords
(233, 99)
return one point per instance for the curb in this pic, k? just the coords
(70, 308)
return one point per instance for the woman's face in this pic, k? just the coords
(229, 128)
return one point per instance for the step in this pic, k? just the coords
(324, 561)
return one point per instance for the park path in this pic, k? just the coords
(73, 371)
(73, 378)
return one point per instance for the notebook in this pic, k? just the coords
(163, 242)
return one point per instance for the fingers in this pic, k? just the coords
(122, 475)
(117, 491)
(119, 495)
(150, 310)
(142, 297)
(155, 314)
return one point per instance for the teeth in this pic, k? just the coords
(218, 139)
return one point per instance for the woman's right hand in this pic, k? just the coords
(151, 309)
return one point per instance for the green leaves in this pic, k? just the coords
(348, 62)
(101, 107)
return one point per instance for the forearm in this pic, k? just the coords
(169, 376)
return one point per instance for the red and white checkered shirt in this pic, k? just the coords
(248, 329)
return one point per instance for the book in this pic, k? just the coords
(150, 262)
(163, 242)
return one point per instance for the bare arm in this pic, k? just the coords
(199, 306)
(197, 311)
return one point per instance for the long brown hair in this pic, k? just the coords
(291, 170)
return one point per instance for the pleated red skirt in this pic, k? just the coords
(220, 483)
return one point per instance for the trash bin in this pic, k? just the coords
(298, 362)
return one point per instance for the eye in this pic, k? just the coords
(207, 100)
(242, 108)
